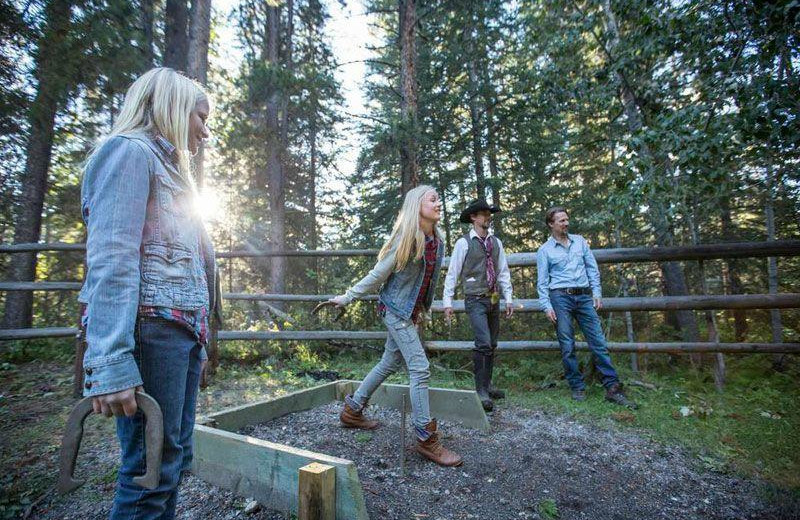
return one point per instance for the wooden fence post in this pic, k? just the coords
(317, 492)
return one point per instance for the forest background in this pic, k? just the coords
(656, 122)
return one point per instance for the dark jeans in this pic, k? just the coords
(485, 320)
(581, 307)
(168, 357)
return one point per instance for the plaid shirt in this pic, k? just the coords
(195, 321)
(431, 248)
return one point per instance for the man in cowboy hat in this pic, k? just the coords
(479, 263)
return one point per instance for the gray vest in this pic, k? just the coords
(473, 272)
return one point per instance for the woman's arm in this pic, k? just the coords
(372, 282)
(115, 192)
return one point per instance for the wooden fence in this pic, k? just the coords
(605, 256)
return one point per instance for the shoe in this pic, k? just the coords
(432, 449)
(351, 418)
(614, 394)
(494, 393)
(479, 362)
(578, 395)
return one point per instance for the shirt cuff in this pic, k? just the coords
(447, 302)
(109, 375)
(597, 293)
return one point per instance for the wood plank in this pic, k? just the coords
(662, 303)
(666, 348)
(301, 335)
(269, 472)
(610, 255)
(40, 286)
(42, 332)
(317, 492)
(235, 418)
(461, 406)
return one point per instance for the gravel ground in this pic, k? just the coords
(529, 459)
(529, 463)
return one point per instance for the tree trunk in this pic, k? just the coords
(489, 100)
(313, 238)
(491, 151)
(54, 83)
(148, 20)
(445, 214)
(199, 36)
(711, 321)
(409, 162)
(732, 277)
(475, 117)
(776, 325)
(275, 174)
(625, 292)
(197, 60)
(674, 279)
(176, 40)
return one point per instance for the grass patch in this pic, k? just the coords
(363, 437)
(547, 509)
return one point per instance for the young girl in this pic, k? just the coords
(408, 268)
(150, 265)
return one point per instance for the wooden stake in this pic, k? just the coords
(317, 492)
(403, 436)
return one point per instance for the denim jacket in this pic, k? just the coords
(145, 246)
(400, 288)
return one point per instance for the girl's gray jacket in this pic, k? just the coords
(146, 246)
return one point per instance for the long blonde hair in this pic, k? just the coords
(160, 102)
(406, 233)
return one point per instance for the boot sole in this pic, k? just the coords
(355, 427)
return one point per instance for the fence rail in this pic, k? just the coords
(605, 256)
(450, 346)
(614, 255)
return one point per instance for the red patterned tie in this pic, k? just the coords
(488, 246)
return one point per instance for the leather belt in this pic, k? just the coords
(574, 290)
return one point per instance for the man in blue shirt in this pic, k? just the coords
(569, 287)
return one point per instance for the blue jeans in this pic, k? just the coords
(581, 307)
(168, 356)
(402, 344)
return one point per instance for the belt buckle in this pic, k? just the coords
(570, 291)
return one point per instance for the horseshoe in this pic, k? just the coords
(329, 303)
(71, 442)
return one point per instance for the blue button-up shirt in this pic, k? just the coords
(559, 267)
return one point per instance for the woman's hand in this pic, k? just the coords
(120, 404)
(338, 301)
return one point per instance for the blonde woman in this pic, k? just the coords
(150, 265)
(407, 269)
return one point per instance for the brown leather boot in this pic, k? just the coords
(433, 450)
(355, 419)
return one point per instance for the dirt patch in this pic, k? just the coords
(531, 465)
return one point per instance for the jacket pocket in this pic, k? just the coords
(164, 263)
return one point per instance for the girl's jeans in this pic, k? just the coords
(168, 356)
(402, 344)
